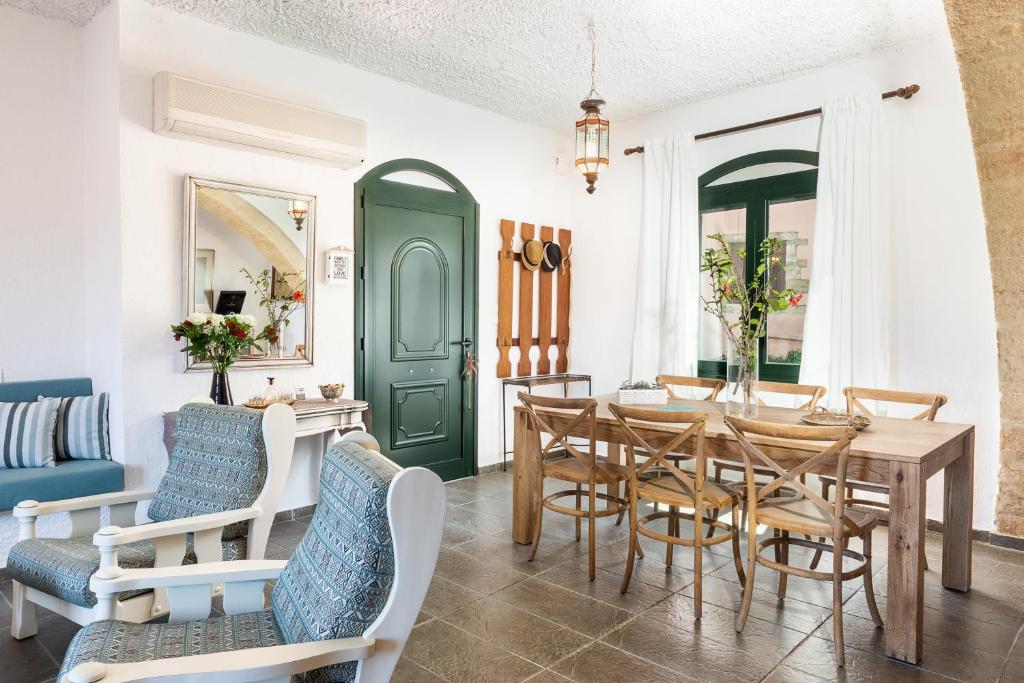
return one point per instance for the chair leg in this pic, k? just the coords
(634, 546)
(23, 618)
(748, 585)
(869, 589)
(669, 547)
(825, 486)
(591, 530)
(737, 530)
(578, 519)
(622, 509)
(714, 512)
(698, 559)
(783, 576)
(837, 601)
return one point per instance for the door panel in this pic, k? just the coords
(418, 305)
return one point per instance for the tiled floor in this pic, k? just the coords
(492, 616)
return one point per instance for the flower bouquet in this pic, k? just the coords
(281, 294)
(217, 340)
(743, 310)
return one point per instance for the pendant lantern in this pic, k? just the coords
(591, 128)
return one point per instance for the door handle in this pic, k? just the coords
(466, 343)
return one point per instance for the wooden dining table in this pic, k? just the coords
(900, 453)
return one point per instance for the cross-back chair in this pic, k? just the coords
(714, 386)
(810, 515)
(812, 393)
(854, 405)
(579, 468)
(654, 435)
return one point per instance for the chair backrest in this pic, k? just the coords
(714, 386)
(811, 392)
(838, 449)
(854, 396)
(364, 564)
(656, 434)
(227, 458)
(585, 411)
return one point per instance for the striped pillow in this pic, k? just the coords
(83, 428)
(26, 433)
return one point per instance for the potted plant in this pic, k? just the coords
(218, 340)
(743, 308)
(281, 294)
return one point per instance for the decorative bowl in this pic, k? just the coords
(331, 392)
(822, 418)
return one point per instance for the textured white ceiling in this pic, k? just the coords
(530, 59)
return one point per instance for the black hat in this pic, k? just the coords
(552, 257)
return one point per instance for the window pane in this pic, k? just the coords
(793, 223)
(732, 224)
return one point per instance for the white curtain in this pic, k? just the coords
(668, 276)
(846, 328)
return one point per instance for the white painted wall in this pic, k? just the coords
(41, 266)
(942, 296)
(402, 122)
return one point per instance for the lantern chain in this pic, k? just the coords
(592, 33)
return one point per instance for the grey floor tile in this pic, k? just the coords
(445, 596)
(815, 657)
(482, 576)
(536, 639)
(409, 672)
(455, 655)
(578, 612)
(605, 587)
(602, 663)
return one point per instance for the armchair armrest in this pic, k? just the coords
(32, 508)
(189, 575)
(113, 536)
(239, 666)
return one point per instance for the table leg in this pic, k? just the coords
(526, 477)
(905, 599)
(615, 456)
(958, 519)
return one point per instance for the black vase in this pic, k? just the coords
(220, 389)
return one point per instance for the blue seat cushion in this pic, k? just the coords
(339, 578)
(219, 463)
(113, 642)
(62, 567)
(67, 479)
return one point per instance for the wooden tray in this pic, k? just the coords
(263, 406)
(821, 418)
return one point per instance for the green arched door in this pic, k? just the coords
(416, 303)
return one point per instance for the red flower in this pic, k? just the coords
(297, 295)
(177, 337)
(795, 300)
(186, 324)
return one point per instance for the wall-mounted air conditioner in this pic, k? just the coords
(185, 107)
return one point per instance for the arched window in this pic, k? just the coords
(747, 199)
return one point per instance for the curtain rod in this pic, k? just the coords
(905, 93)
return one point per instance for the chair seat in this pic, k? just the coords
(62, 567)
(670, 491)
(574, 470)
(857, 485)
(804, 517)
(113, 642)
(740, 467)
(740, 489)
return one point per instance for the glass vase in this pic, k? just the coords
(741, 380)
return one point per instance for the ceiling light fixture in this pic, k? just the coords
(591, 128)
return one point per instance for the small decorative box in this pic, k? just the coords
(642, 393)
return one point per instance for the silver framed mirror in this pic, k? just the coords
(251, 250)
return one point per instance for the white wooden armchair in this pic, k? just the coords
(341, 610)
(215, 502)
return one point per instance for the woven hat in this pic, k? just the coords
(533, 254)
(552, 257)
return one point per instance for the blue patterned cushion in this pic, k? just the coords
(122, 641)
(339, 578)
(219, 463)
(62, 567)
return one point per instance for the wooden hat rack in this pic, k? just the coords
(552, 289)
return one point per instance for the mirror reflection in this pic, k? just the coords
(249, 254)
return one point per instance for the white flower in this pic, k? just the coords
(249, 320)
(217, 319)
(198, 318)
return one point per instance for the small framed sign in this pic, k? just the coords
(340, 264)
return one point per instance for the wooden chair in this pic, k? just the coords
(812, 393)
(342, 608)
(579, 468)
(714, 386)
(854, 396)
(656, 434)
(810, 515)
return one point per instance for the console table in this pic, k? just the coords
(312, 417)
(529, 382)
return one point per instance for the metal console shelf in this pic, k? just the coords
(564, 378)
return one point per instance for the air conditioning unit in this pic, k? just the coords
(185, 107)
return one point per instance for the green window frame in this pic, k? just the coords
(756, 196)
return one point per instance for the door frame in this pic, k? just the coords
(373, 187)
